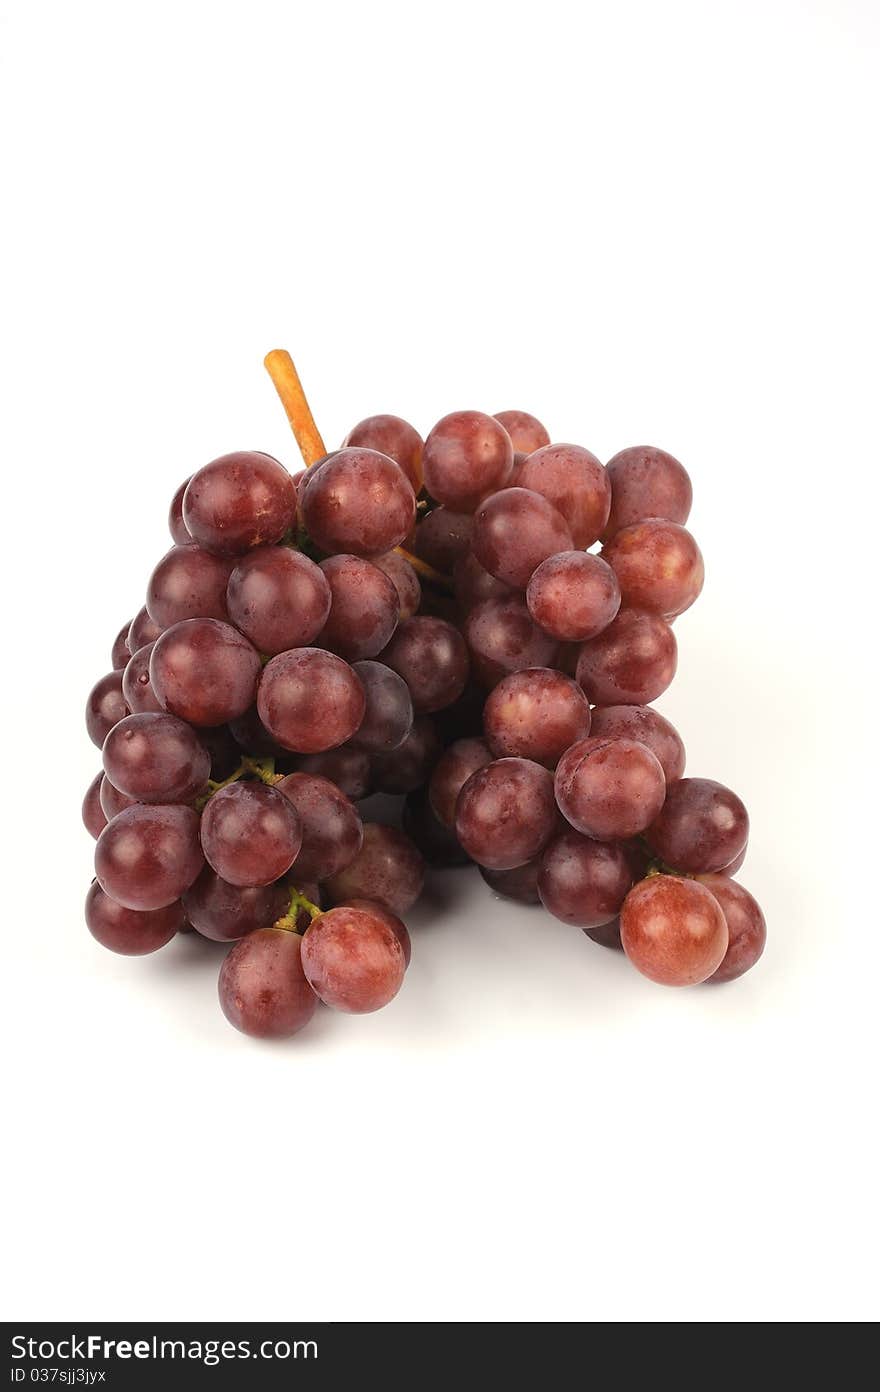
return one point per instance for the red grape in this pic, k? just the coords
(451, 772)
(407, 767)
(582, 881)
(262, 987)
(239, 501)
(364, 608)
(136, 686)
(392, 436)
(204, 671)
(250, 834)
(526, 432)
(537, 713)
(188, 583)
(646, 482)
(154, 757)
(147, 856)
(514, 531)
(573, 596)
(353, 959)
(631, 662)
(673, 931)
(388, 715)
(120, 654)
(224, 912)
(575, 482)
(472, 583)
(746, 926)
(658, 566)
(520, 883)
(506, 813)
(442, 537)
(332, 831)
(358, 502)
(346, 766)
(467, 455)
(105, 707)
(176, 525)
(388, 869)
(646, 725)
(112, 800)
(431, 656)
(502, 637)
(310, 700)
(142, 631)
(609, 789)
(93, 815)
(736, 863)
(278, 598)
(129, 931)
(404, 580)
(606, 935)
(397, 926)
(703, 826)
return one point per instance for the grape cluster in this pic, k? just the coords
(424, 619)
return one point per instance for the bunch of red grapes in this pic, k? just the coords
(423, 619)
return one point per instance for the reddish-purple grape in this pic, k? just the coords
(93, 815)
(188, 583)
(746, 926)
(112, 800)
(204, 671)
(105, 707)
(404, 580)
(703, 826)
(388, 714)
(120, 654)
(353, 959)
(250, 833)
(649, 727)
(573, 596)
(392, 436)
(388, 869)
(137, 689)
(506, 813)
(278, 598)
(310, 700)
(503, 637)
(148, 856)
(582, 881)
(609, 789)
(606, 935)
(224, 912)
(348, 767)
(154, 757)
(520, 883)
(431, 656)
(467, 455)
(364, 608)
(658, 566)
(239, 501)
(130, 931)
(262, 987)
(514, 531)
(537, 714)
(631, 662)
(673, 931)
(442, 537)
(451, 772)
(574, 481)
(332, 831)
(359, 502)
(526, 432)
(397, 926)
(646, 482)
(176, 525)
(142, 631)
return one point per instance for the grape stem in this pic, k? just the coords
(298, 901)
(285, 379)
(264, 769)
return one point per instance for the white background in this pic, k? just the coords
(644, 223)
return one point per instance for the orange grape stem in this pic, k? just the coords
(285, 379)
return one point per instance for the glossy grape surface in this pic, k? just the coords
(154, 757)
(503, 637)
(404, 580)
(358, 502)
(239, 501)
(93, 815)
(397, 926)
(526, 432)
(658, 567)
(353, 959)
(506, 813)
(105, 707)
(746, 926)
(467, 455)
(204, 671)
(631, 662)
(148, 856)
(176, 525)
(388, 714)
(224, 912)
(119, 653)
(112, 800)
(702, 828)
(278, 598)
(188, 583)
(127, 931)
(137, 689)
(609, 789)
(573, 596)
(574, 481)
(649, 727)
(310, 700)
(364, 609)
(514, 531)
(646, 482)
(395, 437)
(262, 987)
(582, 881)
(431, 657)
(388, 869)
(452, 771)
(250, 834)
(673, 931)
(332, 831)
(537, 713)
(142, 631)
